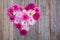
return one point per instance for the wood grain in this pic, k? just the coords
(46, 28)
(1, 20)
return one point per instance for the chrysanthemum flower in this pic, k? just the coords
(18, 26)
(30, 13)
(37, 9)
(25, 17)
(11, 18)
(36, 16)
(31, 21)
(24, 23)
(30, 6)
(19, 14)
(10, 11)
(16, 21)
(23, 32)
(25, 27)
(16, 7)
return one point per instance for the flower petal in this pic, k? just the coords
(16, 21)
(12, 18)
(23, 32)
(30, 6)
(37, 9)
(20, 8)
(10, 11)
(26, 27)
(18, 26)
(29, 13)
(25, 17)
(36, 16)
(19, 14)
(31, 21)
(16, 7)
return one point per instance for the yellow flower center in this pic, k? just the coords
(33, 12)
(24, 11)
(14, 13)
(17, 20)
(30, 20)
(19, 14)
(24, 23)
(30, 13)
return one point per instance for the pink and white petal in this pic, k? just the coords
(25, 28)
(19, 14)
(16, 21)
(28, 13)
(30, 6)
(31, 21)
(24, 23)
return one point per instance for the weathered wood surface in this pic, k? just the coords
(46, 28)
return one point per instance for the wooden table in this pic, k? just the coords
(46, 28)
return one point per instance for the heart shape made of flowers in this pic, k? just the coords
(23, 17)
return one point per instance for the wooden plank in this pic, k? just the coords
(52, 20)
(57, 20)
(6, 22)
(11, 27)
(8, 26)
(37, 24)
(44, 21)
(1, 20)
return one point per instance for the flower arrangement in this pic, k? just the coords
(23, 17)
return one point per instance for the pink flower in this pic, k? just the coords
(25, 17)
(19, 14)
(11, 18)
(16, 7)
(16, 21)
(10, 11)
(20, 8)
(18, 26)
(36, 16)
(23, 32)
(31, 21)
(30, 6)
(37, 9)
(26, 27)
(28, 13)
